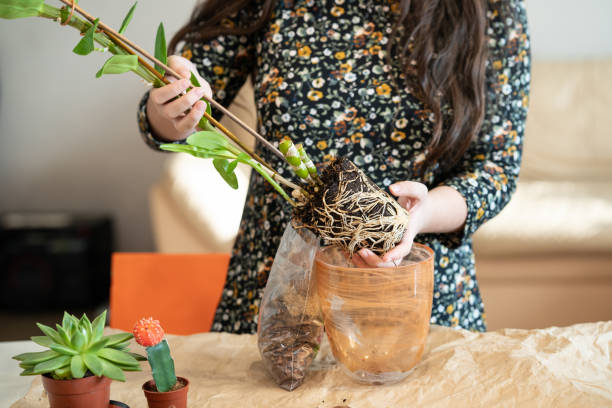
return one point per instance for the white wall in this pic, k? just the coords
(69, 141)
(562, 29)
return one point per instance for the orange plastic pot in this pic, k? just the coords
(88, 392)
(170, 399)
(376, 319)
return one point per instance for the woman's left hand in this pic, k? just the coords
(413, 197)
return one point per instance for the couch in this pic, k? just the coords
(545, 260)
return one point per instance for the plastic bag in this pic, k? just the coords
(290, 326)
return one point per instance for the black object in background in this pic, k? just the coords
(54, 260)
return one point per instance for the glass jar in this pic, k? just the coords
(376, 319)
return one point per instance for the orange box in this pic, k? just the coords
(182, 291)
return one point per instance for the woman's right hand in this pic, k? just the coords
(175, 119)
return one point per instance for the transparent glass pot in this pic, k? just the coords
(376, 319)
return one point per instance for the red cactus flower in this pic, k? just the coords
(148, 332)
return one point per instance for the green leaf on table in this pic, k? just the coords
(86, 45)
(226, 169)
(127, 19)
(208, 140)
(118, 64)
(11, 9)
(161, 51)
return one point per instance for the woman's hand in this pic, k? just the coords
(440, 210)
(174, 119)
(413, 197)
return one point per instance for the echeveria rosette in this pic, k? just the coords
(78, 348)
(149, 334)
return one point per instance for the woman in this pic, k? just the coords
(428, 97)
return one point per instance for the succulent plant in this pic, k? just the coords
(77, 348)
(149, 333)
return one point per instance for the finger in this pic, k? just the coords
(178, 107)
(180, 65)
(397, 254)
(408, 188)
(189, 121)
(359, 262)
(164, 94)
(373, 260)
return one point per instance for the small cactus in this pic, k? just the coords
(149, 334)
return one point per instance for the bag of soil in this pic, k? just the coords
(290, 326)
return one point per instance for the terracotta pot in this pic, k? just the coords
(88, 392)
(170, 399)
(376, 319)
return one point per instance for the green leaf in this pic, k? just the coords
(77, 366)
(42, 340)
(62, 373)
(116, 356)
(161, 51)
(11, 9)
(78, 340)
(118, 338)
(223, 168)
(84, 322)
(49, 332)
(129, 368)
(67, 323)
(121, 346)
(63, 350)
(127, 19)
(64, 335)
(98, 326)
(208, 140)
(37, 357)
(111, 371)
(118, 64)
(94, 347)
(28, 371)
(86, 45)
(137, 356)
(194, 80)
(93, 362)
(52, 365)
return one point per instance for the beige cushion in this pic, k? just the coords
(551, 217)
(569, 125)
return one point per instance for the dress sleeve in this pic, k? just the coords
(225, 62)
(487, 174)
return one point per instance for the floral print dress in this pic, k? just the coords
(321, 77)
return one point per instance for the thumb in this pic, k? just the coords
(408, 188)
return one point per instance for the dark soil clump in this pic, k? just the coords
(349, 210)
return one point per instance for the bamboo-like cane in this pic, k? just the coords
(121, 41)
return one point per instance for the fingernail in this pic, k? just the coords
(393, 188)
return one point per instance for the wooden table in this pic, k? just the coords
(560, 367)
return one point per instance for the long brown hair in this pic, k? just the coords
(439, 43)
